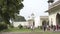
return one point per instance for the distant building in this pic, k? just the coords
(16, 24)
(30, 22)
(19, 20)
(44, 18)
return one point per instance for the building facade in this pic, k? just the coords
(16, 24)
(30, 23)
(44, 19)
(54, 12)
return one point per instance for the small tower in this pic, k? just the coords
(50, 2)
(32, 15)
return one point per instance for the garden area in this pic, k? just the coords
(27, 31)
(21, 30)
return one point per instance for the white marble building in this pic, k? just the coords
(16, 24)
(44, 18)
(54, 12)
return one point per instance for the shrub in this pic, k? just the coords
(20, 26)
(11, 26)
(40, 27)
(3, 26)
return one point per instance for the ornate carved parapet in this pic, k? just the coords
(54, 4)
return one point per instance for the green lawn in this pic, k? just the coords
(21, 30)
(48, 32)
(29, 30)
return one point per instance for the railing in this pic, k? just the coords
(54, 4)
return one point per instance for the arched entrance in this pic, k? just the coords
(58, 19)
(43, 22)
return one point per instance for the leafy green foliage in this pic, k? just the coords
(3, 26)
(20, 26)
(19, 19)
(9, 8)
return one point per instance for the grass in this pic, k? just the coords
(20, 30)
(29, 30)
(48, 32)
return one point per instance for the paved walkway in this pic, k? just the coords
(20, 33)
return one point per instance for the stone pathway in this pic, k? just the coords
(20, 33)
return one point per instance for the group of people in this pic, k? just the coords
(52, 27)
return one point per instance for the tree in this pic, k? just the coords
(19, 19)
(9, 8)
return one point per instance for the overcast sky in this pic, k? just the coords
(34, 6)
(38, 7)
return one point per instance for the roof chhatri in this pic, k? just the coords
(50, 1)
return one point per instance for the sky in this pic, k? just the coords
(38, 7)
